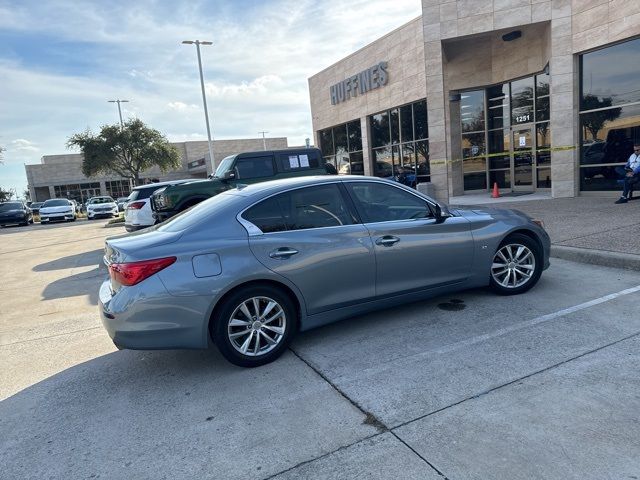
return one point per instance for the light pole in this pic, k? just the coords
(118, 101)
(264, 142)
(204, 98)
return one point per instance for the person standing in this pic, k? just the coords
(631, 173)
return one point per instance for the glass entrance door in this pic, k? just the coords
(522, 159)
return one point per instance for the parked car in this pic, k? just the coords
(15, 213)
(138, 213)
(121, 202)
(251, 266)
(244, 168)
(35, 207)
(76, 207)
(101, 207)
(57, 209)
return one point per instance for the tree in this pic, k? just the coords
(5, 195)
(125, 150)
(594, 121)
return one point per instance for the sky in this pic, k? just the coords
(61, 60)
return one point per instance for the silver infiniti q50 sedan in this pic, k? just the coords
(248, 268)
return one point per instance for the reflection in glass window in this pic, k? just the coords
(472, 111)
(502, 177)
(610, 76)
(421, 127)
(400, 157)
(522, 101)
(542, 84)
(345, 140)
(475, 181)
(473, 144)
(380, 135)
(498, 106)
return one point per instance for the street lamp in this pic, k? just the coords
(118, 101)
(264, 142)
(204, 98)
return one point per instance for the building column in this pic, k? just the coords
(103, 188)
(564, 114)
(369, 168)
(438, 153)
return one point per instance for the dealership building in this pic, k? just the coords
(530, 95)
(60, 176)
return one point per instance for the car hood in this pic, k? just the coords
(11, 213)
(100, 205)
(497, 213)
(55, 209)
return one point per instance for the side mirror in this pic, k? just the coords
(437, 211)
(229, 175)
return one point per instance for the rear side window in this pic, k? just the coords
(142, 193)
(301, 209)
(254, 167)
(297, 161)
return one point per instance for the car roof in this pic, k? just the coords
(164, 184)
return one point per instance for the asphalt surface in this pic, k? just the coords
(472, 385)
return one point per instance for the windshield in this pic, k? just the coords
(224, 166)
(197, 213)
(56, 203)
(10, 206)
(93, 201)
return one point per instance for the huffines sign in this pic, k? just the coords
(369, 79)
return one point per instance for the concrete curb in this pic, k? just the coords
(111, 225)
(627, 261)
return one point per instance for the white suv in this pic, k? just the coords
(101, 207)
(138, 213)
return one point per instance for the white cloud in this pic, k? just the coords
(23, 145)
(181, 106)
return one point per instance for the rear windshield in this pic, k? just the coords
(10, 206)
(56, 203)
(93, 201)
(142, 193)
(197, 213)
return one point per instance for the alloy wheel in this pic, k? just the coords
(257, 326)
(513, 265)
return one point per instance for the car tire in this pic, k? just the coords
(516, 266)
(273, 337)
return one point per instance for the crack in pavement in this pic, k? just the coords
(48, 336)
(51, 245)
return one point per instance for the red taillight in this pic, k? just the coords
(135, 205)
(129, 274)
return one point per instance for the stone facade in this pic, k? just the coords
(56, 170)
(457, 45)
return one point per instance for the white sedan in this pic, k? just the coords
(101, 206)
(57, 209)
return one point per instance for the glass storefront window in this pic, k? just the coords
(475, 181)
(498, 106)
(472, 111)
(421, 127)
(406, 123)
(395, 154)
(499, 144)
(542, 84)
(380, 135)
(354, 133)
(473, 144)
(544, 178)
(522, 101)
(342, 144)
(609, 76)
(502, 177)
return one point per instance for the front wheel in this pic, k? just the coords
(517, 265)
(254, 326)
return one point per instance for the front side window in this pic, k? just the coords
(301, 209)
(378, 202)
(254, 167)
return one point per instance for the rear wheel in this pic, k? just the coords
(517, 265)
(254, 325)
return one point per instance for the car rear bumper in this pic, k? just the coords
(146, 317)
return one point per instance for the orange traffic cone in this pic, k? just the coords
(496, 192)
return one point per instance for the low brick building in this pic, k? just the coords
(58, 176)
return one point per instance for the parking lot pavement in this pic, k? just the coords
(470, 385)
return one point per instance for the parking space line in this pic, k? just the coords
(48, 336)
(532, 322)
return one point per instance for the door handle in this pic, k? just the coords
(387, 240)
(283, 252)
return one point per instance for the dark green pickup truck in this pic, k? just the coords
(243, 168)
